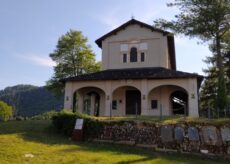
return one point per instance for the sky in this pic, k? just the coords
(29, 31)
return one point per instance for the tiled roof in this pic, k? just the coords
(134, 73)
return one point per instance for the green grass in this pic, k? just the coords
(18, 138)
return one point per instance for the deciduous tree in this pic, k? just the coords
(73, 56)
(5, 111)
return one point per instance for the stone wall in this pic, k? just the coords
(206, 139)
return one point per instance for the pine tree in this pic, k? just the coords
(208, 20)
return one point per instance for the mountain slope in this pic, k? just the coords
(28, 100)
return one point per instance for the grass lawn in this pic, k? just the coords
(21, 138)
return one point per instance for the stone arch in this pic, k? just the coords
(172, 85)
(125, 85)
(89, 100)
(99, 86)
(161, 99)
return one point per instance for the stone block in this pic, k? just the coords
(193, 134)
(225, 134)
(166, 133)
(179, 134)
(209, 134)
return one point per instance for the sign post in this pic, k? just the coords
(78, 130)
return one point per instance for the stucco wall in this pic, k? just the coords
(155, 56)
(144, 86)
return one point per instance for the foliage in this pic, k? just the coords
(209, 98)
(44, 116)
(5, 111)
(209, 21)
(38, 138)
(64, 122)
(73, 57)
(28, 100)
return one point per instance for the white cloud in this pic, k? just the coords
(39, 60)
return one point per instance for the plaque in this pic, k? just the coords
(179, 134)
(193, 134)
(225, 134)
(78, 124)
(166, 133)
(209, 135)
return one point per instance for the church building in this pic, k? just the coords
(138, 77)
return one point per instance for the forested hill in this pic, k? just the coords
(28, 100)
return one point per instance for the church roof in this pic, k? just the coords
(170, 38)
(134, 74)
(123, 26)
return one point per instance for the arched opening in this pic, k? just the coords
(168, 100)
(179, 102)
(126, 101)
(89, 100)
(133, 54)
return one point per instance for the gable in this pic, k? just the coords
(122, 27)
(133, 34)
(159, 43)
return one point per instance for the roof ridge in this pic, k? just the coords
(131, 21)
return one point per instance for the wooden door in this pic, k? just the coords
(133, 99)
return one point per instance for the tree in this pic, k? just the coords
(5, 111)
(208, 20)
(208, 92)
(73, 57)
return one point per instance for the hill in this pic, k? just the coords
(29, 100)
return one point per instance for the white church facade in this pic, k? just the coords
(138, 76)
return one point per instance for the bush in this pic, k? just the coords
(64, 122)
(44, 116)
(5, 111)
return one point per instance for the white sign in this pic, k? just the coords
(79, 124)
(143, 46)
(124, 47)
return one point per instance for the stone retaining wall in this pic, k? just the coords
(180, 137)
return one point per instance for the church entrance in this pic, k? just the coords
(133, 102)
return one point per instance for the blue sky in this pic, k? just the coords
(29, 31)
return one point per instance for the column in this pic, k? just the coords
(80, 103)
(108, 98)
(68, 99)
(193, 98)
(144, 97)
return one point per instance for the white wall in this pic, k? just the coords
(155, 56)
(145, 86)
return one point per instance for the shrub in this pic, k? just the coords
(19, 118)
(44, 116)
(64, 122)
(5, 111)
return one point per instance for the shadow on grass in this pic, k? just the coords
(142, 155)
(42, 132)
(34, 130)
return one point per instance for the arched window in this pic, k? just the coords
(133, 54)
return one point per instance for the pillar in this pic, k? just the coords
(193, 98)
(68, 99)
(144, 97)
(108, 98)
